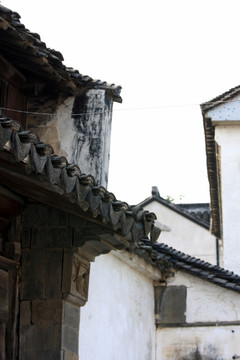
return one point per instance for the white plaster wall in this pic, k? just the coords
(184, 235)
(228, 137)
(65, 127)
(86, 144)
(206, 343)
(118, 320)
(207, 302)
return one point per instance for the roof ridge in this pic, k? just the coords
(176, 208)
(220, 98)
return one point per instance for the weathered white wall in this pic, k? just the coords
(228, 137)
(207, 302)
(184, 235)
(195, 343)
(84, 139)
(200, 338)
(90, 147)
(226, 118)
(118, 320)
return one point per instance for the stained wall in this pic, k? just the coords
(118, 320)
(184, 234)
(77, 127)
(209, 326)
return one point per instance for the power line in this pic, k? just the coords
(115, 110)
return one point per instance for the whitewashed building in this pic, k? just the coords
(194, 305)
(136, 311)
(146, 301)
(222, 131)
(185, 230)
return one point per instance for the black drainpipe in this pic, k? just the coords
(217, 252)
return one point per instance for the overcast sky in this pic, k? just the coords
(168, 56)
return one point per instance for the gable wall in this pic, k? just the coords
(227, 111)
(184, 235)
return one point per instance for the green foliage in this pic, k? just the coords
(172, 200)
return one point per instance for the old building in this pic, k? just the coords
(76, 111)
(57, 218)
(50, 209)
(197, 314)
(222, 132)
(185, 227)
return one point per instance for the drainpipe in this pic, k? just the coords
(217, 252)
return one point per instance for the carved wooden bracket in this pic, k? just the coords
(75, 278)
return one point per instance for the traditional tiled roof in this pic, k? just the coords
(198, 210)
(191, 265)
(29, 53)
(24, 158)
(226, 96)
(176, 208)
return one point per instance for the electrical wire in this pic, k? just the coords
(218, 102)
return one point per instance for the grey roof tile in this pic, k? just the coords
(237, 287)
(28, 46)
(91, 198)
(198, 267)
(220, 281)
(231, 285)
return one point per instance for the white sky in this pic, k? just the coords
(168, 56)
